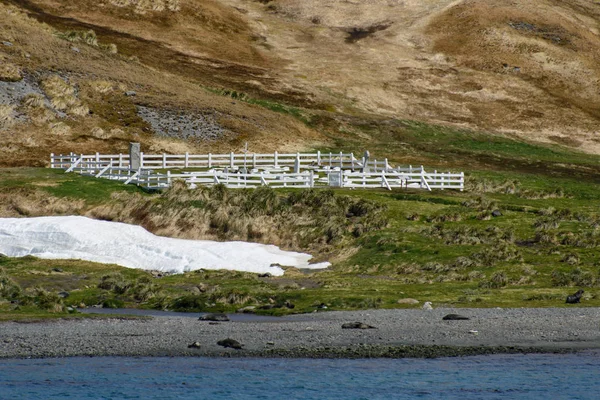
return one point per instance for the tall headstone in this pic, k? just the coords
(135, 156)
(366, 156)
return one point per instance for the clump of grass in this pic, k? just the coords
(115, 282)
(467, 235)
(498, 279)
(34, 100)
(99, 133)
(475, 185)
(9, 289)
(63, 96)
(542, 297)
(10, 72)
(143, 6)
(59, 129)
(481, 204)
(100, 86)
(47, 300)
(489, 256)
(575, 277)
(88, 37)
(6, 115)
(571, 259)
(445, 217)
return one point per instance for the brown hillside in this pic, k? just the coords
(521, 67)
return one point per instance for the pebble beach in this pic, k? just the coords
(395, 334)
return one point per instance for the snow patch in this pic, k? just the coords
(132, 246)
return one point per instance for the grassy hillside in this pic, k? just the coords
(215, 74)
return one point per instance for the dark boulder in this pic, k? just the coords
(357, 325)
(195, 345)
(218, 317)
(231, 343)
(454, 317)
(496, 213)
(575, 298)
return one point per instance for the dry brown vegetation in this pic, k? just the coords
(520, 67)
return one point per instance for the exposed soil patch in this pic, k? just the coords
(555, 34)
(359, 33)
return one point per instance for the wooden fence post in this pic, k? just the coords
(187, 160)
(319, 157)
(231, 162)
(275, 157)
(209, 160)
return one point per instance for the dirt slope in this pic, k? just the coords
(527, 68)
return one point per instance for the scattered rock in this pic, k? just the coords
(130, 93)
(57, 270)
(357, 325)
(322, 306)
(427, 306)
(289, 305)
(63, 294)
(575, 298)
(234, 344)
(218, 317)
(271, 343)
(496, 213)
(454, 317)
(195, 345)
(76, 49)
(265, 275)
(8, 44)
(408, 301)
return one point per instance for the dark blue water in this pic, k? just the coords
(573, 376)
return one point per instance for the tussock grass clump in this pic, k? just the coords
(481, 204)
(143, 6)
(88, 37)
(476, 185)
(489, 256)
(10, 72)
(575, 277)
(467, 235)
(63, 96)
(115, 282)
(9, 289)
(103, 87)
(59, 129)
(34, 100)
(6, 115)
(47, 300)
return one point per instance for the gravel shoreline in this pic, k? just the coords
(398, 333)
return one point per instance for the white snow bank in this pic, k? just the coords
(134, 247)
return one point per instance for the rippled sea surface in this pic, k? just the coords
(547, 376)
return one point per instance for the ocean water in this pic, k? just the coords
(537, 376)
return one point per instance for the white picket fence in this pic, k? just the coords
(232, 161)
(300, 170)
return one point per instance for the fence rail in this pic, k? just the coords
(300, 170)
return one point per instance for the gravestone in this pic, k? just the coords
(135, 156)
